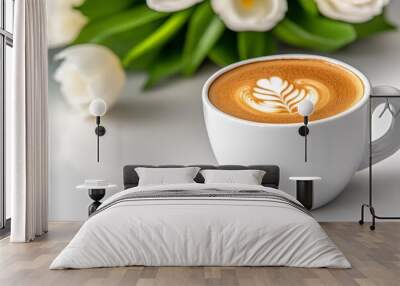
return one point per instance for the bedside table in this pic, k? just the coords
(96, 190)
(304, 190)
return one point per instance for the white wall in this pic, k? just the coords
(165, 125)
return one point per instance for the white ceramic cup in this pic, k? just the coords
(338, 146)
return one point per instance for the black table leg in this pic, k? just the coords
(304, 193)
(96, 195)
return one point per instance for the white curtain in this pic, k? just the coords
(27, 123)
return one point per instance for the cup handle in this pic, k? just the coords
(389, 143)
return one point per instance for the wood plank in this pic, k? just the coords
(375, 257)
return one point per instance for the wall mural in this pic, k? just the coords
(251, 105)
(167, 38)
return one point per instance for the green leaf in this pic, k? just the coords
(315, 33)
(168, 29)
(147, 60)
(223, 53)
(121, 43)
(94, 9)
(376, 25)
(254, 44)
(168, 65)
(97, 30)
(309, 6)
(205, 28)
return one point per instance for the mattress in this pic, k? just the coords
(201, 225)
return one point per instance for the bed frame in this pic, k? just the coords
(270, 179)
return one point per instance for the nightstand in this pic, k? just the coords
(96, 190)
(305, 190)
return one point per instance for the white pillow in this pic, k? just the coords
(164, 176)
(248, 177)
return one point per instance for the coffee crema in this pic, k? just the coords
(269, 91)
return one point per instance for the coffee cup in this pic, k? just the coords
(338, 144)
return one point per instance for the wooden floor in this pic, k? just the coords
(375, 257)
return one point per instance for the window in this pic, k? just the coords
(6, 43)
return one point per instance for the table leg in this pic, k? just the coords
(304, 193)
(96, 195)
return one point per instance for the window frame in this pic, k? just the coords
(6, 39)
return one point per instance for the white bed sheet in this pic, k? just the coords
(218, 232)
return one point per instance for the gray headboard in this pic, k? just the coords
(271, 177)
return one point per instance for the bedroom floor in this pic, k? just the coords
(375, 257)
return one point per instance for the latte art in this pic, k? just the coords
(270, 91)
(275, 95)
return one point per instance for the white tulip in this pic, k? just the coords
(250, 15)
(89, 71)
(64, 22)
(171, 5)
(353, 11)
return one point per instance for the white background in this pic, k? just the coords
(165, 126)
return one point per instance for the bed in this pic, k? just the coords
(201, 224)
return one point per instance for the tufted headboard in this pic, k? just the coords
(270, 179)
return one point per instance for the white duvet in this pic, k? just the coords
(199, 231)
